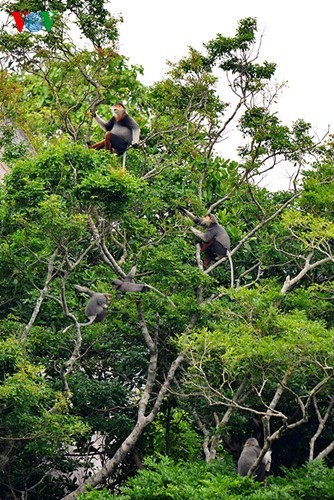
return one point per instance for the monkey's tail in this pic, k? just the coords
(162, 295)
(231, 267)
(91, 320)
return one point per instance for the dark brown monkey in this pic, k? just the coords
(248, 457)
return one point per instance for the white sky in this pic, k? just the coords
(298, 36)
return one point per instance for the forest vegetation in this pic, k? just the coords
(158, 399)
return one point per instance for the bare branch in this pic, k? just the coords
(322, 422)
(50, 276)
(325, 452)
(105, 254)
(217, 203)
(288, 283)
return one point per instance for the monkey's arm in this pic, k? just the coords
(101, 122)
(84, 290)
(205, 236)
(191, 216)
(131, 275)
(130, 122)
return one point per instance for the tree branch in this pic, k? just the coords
(41, 297)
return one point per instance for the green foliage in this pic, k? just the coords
(32, 411)
(172, 434)
(318, 193)
(95, 495)
(168, 480)
(11, 151)
(63, 173)
(92, 18)
(230, 54)
(165, 479)
(259, 336)
(313, 480)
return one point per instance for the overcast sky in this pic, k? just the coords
(297, 35)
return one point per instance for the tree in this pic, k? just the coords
(208, 344)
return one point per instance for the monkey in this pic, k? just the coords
(248, 457)
(96, 308)
(121, 131)
(216, 242)
(127, 284)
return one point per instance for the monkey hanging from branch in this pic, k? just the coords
(96, 308)
(127, 284)
(215, 242)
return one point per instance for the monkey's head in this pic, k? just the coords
(103, 300)
(252, 442)
(118, 109)
(208, 220)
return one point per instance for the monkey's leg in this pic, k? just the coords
(98, 145)
(115, 144)
(206, 245)
(209, 256)
(206, 262)
(108, 144)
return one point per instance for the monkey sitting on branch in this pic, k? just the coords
(248, 457)
(215, 240)
(121, 130)
(96, 308)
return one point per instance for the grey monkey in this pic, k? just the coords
(248, 457)
(127, 284)
(215, 240)
(96, 308)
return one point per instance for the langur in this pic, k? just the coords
(127, 284)
(96, 308)
(248, 457)
(215, 240)
(121, 131)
